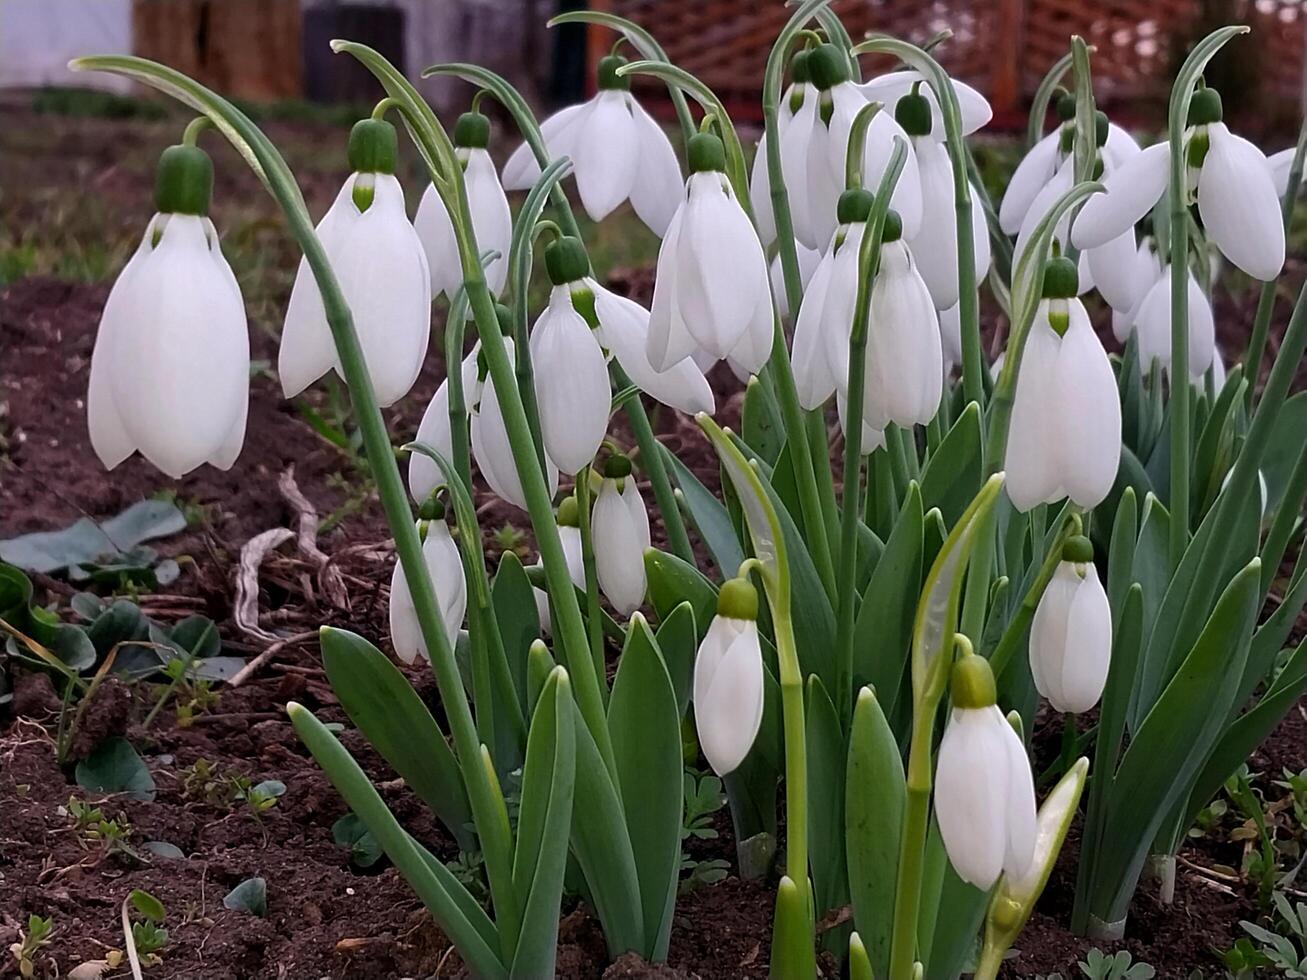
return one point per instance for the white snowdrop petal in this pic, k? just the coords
(639, 514)
(433, 430)
(179, 368)
(558, 130)
(607, 154)
(494, 455)
(950, 335)
(812, 375)
(969, 804)
(755, 345)
(1048, 632)
(872, 437)
(1018, 798)
(1114, 267)
(935, 245)
(1034, 171)
(656, 190)
(1130, 191)
(109, 438)
(1239, 204)
(570, 538)
(1120, 147)
(446, 570)
(879, 145)
(760, 194)
(1152, 322)
(1029, 461)
(670, 340)
(1088, 645)
(619, 551)
(728, 700)
(624, 330)
(572, 387)
(905, 362)
(405, 635)
(1088, 440)
(436, 233)
(1280, 164)
(492, 221)
(794, 140)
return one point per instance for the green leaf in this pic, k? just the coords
(644, 720)
(678, 642)
(1121, 552)
(1172, 744)
(539, 863)
(114, 767)
(956, 469)
(147, 905)
(1215, 442)
(1241, 738)
(826, 760)
(513, 599)
(673, 581)
(1274, 632)
(540, 664)
(792, 951)
(1152, 570)
(760, 421)
(15, 596)
(602, 846)
(1283, 448)
(86, 542)
(882, 635)
(451, 906)
(164, 849)
(383, 705)
(350, 832)
(707, 514)
(875, 794)
(251, 895)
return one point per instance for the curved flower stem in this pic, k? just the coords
(267, 163)
(1043, 96)
(1252, 359)
(868, 264)
(594, 626)
(438, 151)
(973, 384)
(1178, 210)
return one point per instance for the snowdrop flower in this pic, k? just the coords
(950, 336)
(570, 345)
(382, 268)
(808, 261)
(935, 243)
(904, 361)
(1228, 176)
(728, 679)
(434, 430)
(1147, 267)
(446, 570)
(1151, 320)
(887, 89)
(621, 537)
(1047, 157)
(711, 291)
(984, 790)
(171, 366)
(820, 354)
(490, 446)
(618, 152)
(1065, 436)
(1071, 635)
(492, 223)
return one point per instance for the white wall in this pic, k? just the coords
(38, 37)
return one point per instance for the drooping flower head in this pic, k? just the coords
(984, 789)
(382, 269)
(711, 291)
(1071, 634)
(1228, 177)
(618, 152)
(728, 679)
(492, 222)
(447, 579)
(621, 537)
(171, 365)
(1065, 434)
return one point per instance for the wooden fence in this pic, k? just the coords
(1003, 47)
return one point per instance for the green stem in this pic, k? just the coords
(1043, 95)
(455, 323)
(796, 751)
(594, 624)
(193, 129)
(1016, 629)
(868, 264)
(912, 846)
(1252, 361)
(187, 660)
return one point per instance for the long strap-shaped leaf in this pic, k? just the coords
(548, 781)
(456, 912)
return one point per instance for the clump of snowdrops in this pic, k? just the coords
(1066, 525)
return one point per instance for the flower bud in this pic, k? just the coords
(1071, 634)
(621, 537)
(728, 679)
(913, 114)
(827, 66)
